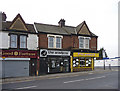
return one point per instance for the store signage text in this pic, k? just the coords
(77, 54)
(45, 53)
(20, 53)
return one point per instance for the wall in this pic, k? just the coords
(93, 43)
(66, 42)
(112, 62)
(5, 39)
(32, 42)
(43, 41)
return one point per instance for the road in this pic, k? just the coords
(91, 80)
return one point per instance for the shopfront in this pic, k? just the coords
(83, 61)
(54, 61)
(16, 63)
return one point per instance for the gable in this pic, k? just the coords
(18, 24)
(84, 30)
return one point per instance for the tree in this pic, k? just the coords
(101, 53)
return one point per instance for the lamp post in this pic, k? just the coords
(3, 66)
(37, 72)
(103, 52)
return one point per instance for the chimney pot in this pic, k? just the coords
(61, 22)
(4, 17)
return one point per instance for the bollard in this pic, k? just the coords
(109, 66)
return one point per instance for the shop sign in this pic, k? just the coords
(77, 54)
(18, 54)
(45, 53)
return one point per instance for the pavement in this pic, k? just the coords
(51, 76)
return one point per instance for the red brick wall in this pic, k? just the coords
(67, 42)
(75, 41)
(93, 43)
(43, 41)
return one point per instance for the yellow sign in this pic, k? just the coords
(78, 54)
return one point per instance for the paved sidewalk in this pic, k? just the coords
(52, 76)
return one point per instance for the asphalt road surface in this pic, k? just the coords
(99, 80)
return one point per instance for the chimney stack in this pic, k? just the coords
(4, 17)
(61, 22)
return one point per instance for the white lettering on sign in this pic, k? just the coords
(58, 53)
(45, 53)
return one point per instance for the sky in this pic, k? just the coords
(101, 16)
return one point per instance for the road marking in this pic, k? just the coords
(27, 87)
(74, 81)
(90, 73)
(85, 79)
(18, 81)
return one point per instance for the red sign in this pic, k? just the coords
(18, 53)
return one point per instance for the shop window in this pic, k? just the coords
(84, 42)
(13, 41)
(23, 41)
(53, 64)
(82, 63)
(88, 62)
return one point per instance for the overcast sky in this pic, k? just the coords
(101, 16)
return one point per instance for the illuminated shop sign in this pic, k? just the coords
(18, 53)
(45, 53)
(77, 54)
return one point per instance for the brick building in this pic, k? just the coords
(66, 48)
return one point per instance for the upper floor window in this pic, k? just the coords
(54, 41)
(18, 41)
(51, 42)
(23, 41)
(13, 41)
(84, 42)
(58, 42)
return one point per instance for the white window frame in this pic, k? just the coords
(58, 42)
(55, 42)
(24, 42)
(49, 42)
(84, 42)
(13, 41)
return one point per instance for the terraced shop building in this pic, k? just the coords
(66, 48)
(19, 41)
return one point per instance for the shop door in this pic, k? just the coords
(43, 67)
(66, 65)
(32, 67)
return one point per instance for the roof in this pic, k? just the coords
(54, 29)
(18, 24)
(67, 30)
(6, 25)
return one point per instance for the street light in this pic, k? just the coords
(103, 52)
(3, 66)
